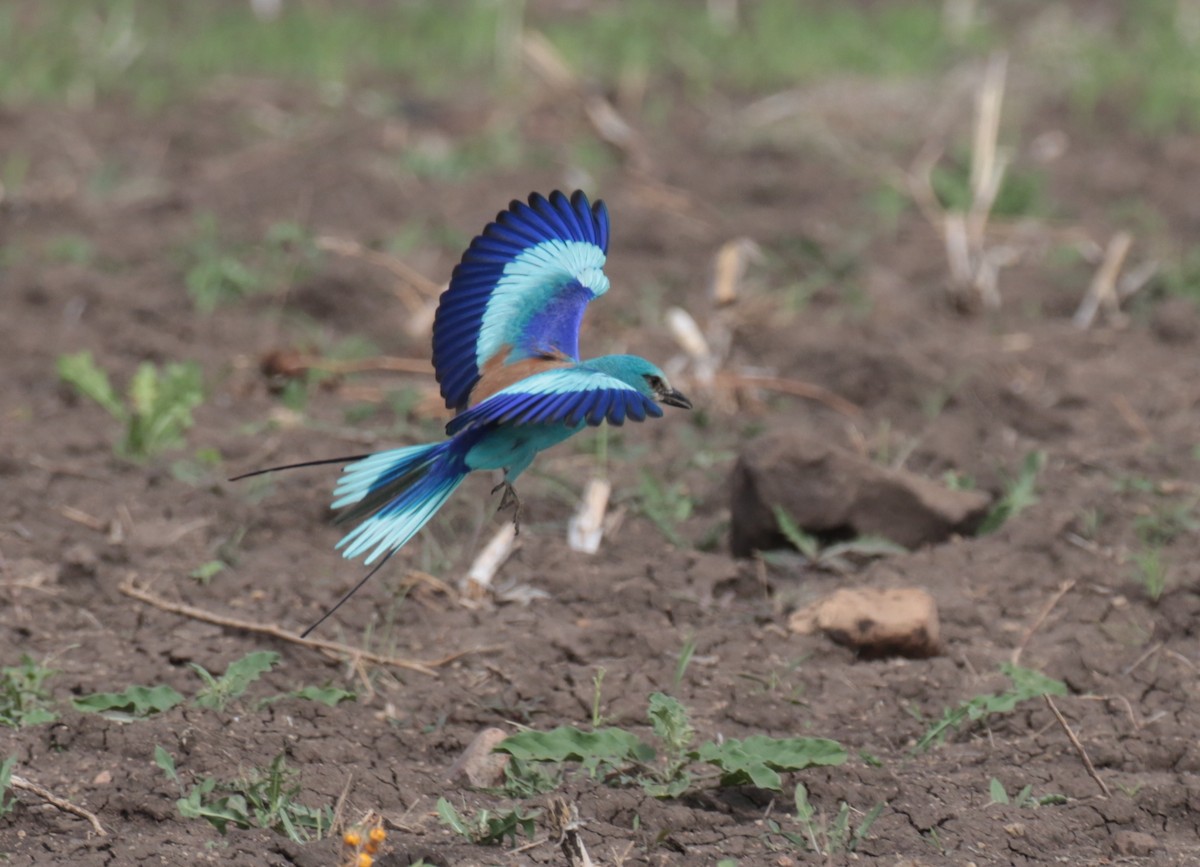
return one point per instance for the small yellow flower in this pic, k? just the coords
(352, 838)
(364, 860)
(377, 835)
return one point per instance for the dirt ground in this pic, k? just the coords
(847, 299)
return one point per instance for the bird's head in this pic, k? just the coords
(647, 378)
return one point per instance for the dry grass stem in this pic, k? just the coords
(55, 801)
(363, 365)
(1062, 591)
(487, 564)
(1102, 293)
(729, 268)
(794, 387)
(333, 648)
(409, 276)
(586, 528)
(1087, 762)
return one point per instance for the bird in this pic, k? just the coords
(507, 361)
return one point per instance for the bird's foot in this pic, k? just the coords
(510, 498)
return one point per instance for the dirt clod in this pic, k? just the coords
(478, 765)
(1134, 843)
(829, 490)
(898, 622)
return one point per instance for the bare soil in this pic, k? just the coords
(1114, 409)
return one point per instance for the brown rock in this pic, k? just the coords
(478, 765)
(1134, 843)
(825, 489)
(898, 622)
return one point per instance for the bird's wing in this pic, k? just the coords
(569, 395)
(520, 291)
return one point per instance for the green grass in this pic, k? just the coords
(24, 699)
(1027, 684)
(155, 53)
(780, 43)
(1145, 65)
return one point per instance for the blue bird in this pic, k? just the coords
(506, 355)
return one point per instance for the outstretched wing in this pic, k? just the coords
(570, 396)
(520, 291)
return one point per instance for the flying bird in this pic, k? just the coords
(506, 355)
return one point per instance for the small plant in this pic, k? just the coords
(218, 273)
(136, 702)
(1023, 798)
(158, 407)
(218, 692)
(622, 757)
(487, 828)
(685, 659)
(23, 696)
(6, 771)
(833, 557)
(666, 506)
(1150, 570)
(263, 799)
(1020, 493)
(820, 835)
(1026, 684)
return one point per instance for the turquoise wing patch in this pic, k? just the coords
(521, 289)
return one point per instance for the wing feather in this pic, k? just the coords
(569, 396)
(520, 289)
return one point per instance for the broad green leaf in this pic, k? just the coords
(135, 702)
(569, 744)
(80, 371)
(143, 389)
(165, 761)
(218, 692)
(451, 819)
(996, 790)
(757, 759)
(330, 696)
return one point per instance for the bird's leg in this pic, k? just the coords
(510, 498)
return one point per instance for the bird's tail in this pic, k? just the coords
(393, 494)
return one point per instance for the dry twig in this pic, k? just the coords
(1087, 762)
(1103, 293)
(795, 387)
(1062, 591)
(332, 648)
(61, 803)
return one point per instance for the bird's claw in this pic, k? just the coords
(510, 498)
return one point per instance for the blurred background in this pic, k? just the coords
(955, 239)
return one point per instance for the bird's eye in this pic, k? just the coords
(654, 382)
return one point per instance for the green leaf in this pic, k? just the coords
(568, 744)
(805, 543)
(996, 790)
(450, 818)
(165, 761)
(6, 771)
(80, 371)
(670, 721)
(757, 759)
(235, 681)
(133, 703)
(143, 389)
(330, 696)
(206, 571)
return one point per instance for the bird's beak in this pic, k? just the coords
(676, 398)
